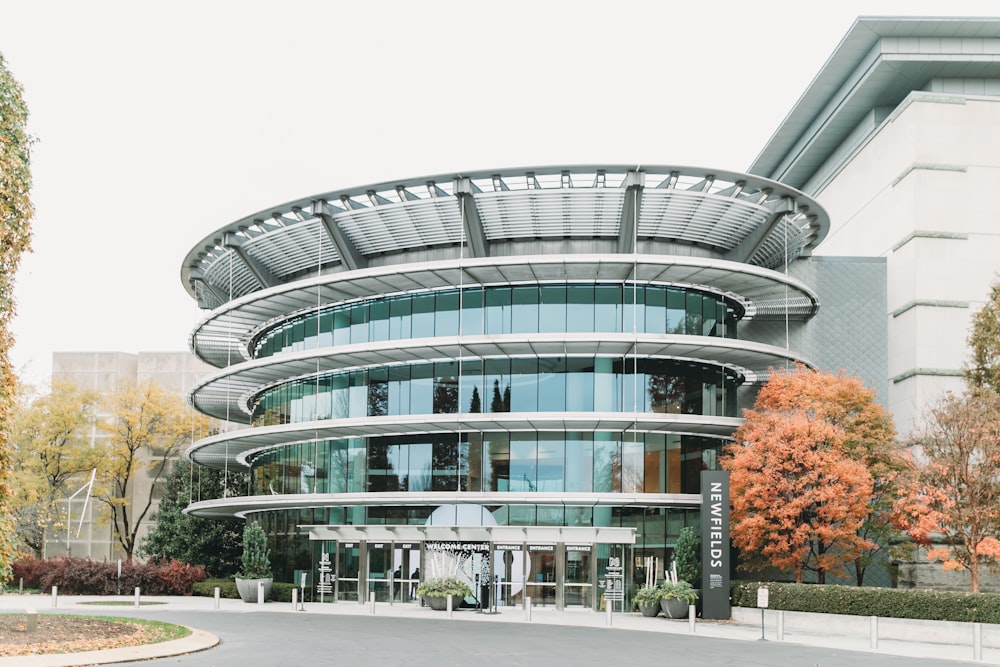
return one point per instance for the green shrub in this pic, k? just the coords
(682, 589)
(441, 587)
(227, 588)
(256, 560)
(647, 596)
(865, 601)
(687, 553)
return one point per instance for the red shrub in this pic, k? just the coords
(82, 576)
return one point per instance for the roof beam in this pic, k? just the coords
(259, 271)
(634, 183)
(751, 244)
(349, 254)
(475, 236)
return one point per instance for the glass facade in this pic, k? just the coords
(500, 461)
(533, 384)
(609, 308)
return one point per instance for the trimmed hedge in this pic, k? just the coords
(82, 576)
(863, 601)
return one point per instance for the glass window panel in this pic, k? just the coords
(356, 458)
(326, 329)
(496, 462)
(521, 515)
(472, 459)
(421, 466)
(551, 462)
(655, 463)
(472, 311)
(423, 316)
(656, 310)
(298, 335)
(607, 463)
(342, 326)
(524, 317)
(632, 464)
(399, 390)
(550, 515)
(693, 325)
(445, 387)
(421, 389)
(634, 308)
(552, 311)
(579, 516)
(608, 308)
(524, 385)
(358, 400)
(446, 315)
(324, 398)
(607, 385)
(579, 385)
(580, 308)
(340, 402)
(497, 383)
(400, 310)
(551, 385)
(378, 392)
(523, 462)
(378, 313)
(579, 462)
(471, 386)
(359, 323)
(445, 466)
(708, 320)
(498, 310)
(676, 313)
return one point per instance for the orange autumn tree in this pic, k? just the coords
(954, 501)
(813, 472)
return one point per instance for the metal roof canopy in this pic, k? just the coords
(493, 534)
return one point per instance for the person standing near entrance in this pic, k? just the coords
(414, 582)
(397, 584)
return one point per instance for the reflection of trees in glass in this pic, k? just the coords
(380, 469)
(500, 403)
(475, 405)
(445, 395)
(378, 398)
(666, 393)
(444, 463)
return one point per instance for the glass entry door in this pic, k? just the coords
(379, 571)
(348, 567)
(406, 572)
(508, 568)
(541, 579)
(577, 576)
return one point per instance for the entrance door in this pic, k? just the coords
(348, 567)
(508, 568)
(541, 580)
(577, 583)
(406, 572)
(379, 571)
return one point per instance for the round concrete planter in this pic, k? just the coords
(441, 603)
(248, 589)
(650, 611)
(674, 607)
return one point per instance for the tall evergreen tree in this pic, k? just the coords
(216, 544)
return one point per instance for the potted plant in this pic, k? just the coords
(255, 564)
(647, 599)
(675, 598)
(436, 592)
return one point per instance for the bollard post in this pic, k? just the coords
(873, 641)
(527, 609)
(137, 597)
(20, 586)
(448, 599)
(977, 641)
(608, 607)
(780, 632)
(692, 612)
(32, 620)
(260, 592)
(295, 598)
(55, 596)
(371, 602)
(218, 594)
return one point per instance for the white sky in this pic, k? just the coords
(158, 123)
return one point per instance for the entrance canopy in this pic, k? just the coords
(506, 534)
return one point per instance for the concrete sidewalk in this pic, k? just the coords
(951, 642)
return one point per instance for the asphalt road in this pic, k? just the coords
(279, 639)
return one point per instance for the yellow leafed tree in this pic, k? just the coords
(146, 428)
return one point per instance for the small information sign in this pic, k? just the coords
(762, 594)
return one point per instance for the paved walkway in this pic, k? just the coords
(834, 635)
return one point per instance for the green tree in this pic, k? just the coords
(146, 429)
(983, 369)
(216, 544)
(15, 239)
(53, 446)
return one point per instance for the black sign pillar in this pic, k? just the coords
(715, 553)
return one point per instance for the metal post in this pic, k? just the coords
(55, 596)
(873, 641)
(977, 641)
(295, 598)
(692, 612)
(371, 602)
(218, 594)
(137, 593)
(762, 638)
(781, 625)
(608, 604)
(20, 586)
(527, 609)
(260, 592)
(448, 602)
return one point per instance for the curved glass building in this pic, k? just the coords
(517, 374)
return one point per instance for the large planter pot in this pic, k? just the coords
(674, 607)
(248, 588)
(650, 610)
(441, 603)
